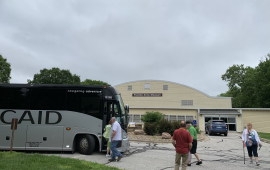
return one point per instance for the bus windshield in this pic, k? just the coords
(122, 107)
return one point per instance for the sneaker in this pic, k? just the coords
(199, 163)
(250, 162)
(119, 158)
(188, 164)
(108, 155)
(112, 160)
(257, 163)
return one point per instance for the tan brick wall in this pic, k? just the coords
(239, 123)
(201, 119)
(259, 119)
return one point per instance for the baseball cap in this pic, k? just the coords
(188, 122)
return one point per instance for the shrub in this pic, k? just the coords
(176, 125)
(165, 126)
(198, 130)
(152, 117)
(150, 128)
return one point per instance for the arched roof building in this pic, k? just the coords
(181, 102)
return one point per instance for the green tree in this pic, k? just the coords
(235, 76)
(236, 96)
(5, 70)
(249, 87)
(55, 76)
(94, 82)
(152, 117)
(262, 79)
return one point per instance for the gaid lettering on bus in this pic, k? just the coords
(30, 117)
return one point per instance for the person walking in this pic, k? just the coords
(182, 142)
(193, 150)
(251, 140)
(115, 137)
(106, 135)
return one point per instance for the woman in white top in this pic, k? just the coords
(251, 140)
(106, 135)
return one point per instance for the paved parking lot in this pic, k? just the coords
(219, 153)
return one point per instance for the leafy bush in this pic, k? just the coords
(176, 125)
(165, 126)
(198, 130)
(150, 128)
(152, 117)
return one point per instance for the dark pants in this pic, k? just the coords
(115, 152)
(194, 147)
(253, 149)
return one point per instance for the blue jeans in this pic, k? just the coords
(115, 152)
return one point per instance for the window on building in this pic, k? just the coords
(181, 118)
(137, 118)
(189, 118)
(166, 117)
(129, 88)
(171, 118)
(187, 102)
(14, 98)
(147, 86)
(165, 87)
(48, 99)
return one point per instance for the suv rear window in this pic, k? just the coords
(218, 123)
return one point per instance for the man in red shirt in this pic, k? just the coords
(182, 142)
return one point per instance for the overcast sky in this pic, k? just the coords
(191, 42)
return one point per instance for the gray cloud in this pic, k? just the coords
(189, 42)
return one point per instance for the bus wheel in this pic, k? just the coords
(86, 144)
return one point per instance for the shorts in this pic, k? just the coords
(194, 147)
(109, 143)
(253, 149)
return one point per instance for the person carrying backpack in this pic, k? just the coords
(251, 140)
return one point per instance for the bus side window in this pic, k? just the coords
(14, 98)
(48, 99)
(87, 103)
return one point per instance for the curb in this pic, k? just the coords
(203, 136)
(265, 140)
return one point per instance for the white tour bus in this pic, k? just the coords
(60, 117)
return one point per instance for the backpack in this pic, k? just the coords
(251, 140)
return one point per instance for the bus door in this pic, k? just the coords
(117, 115)
(111, 109)
(107, 115)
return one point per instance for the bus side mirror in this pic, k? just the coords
(127, 108)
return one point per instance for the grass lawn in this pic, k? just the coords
(23, 161)
(264, 135)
